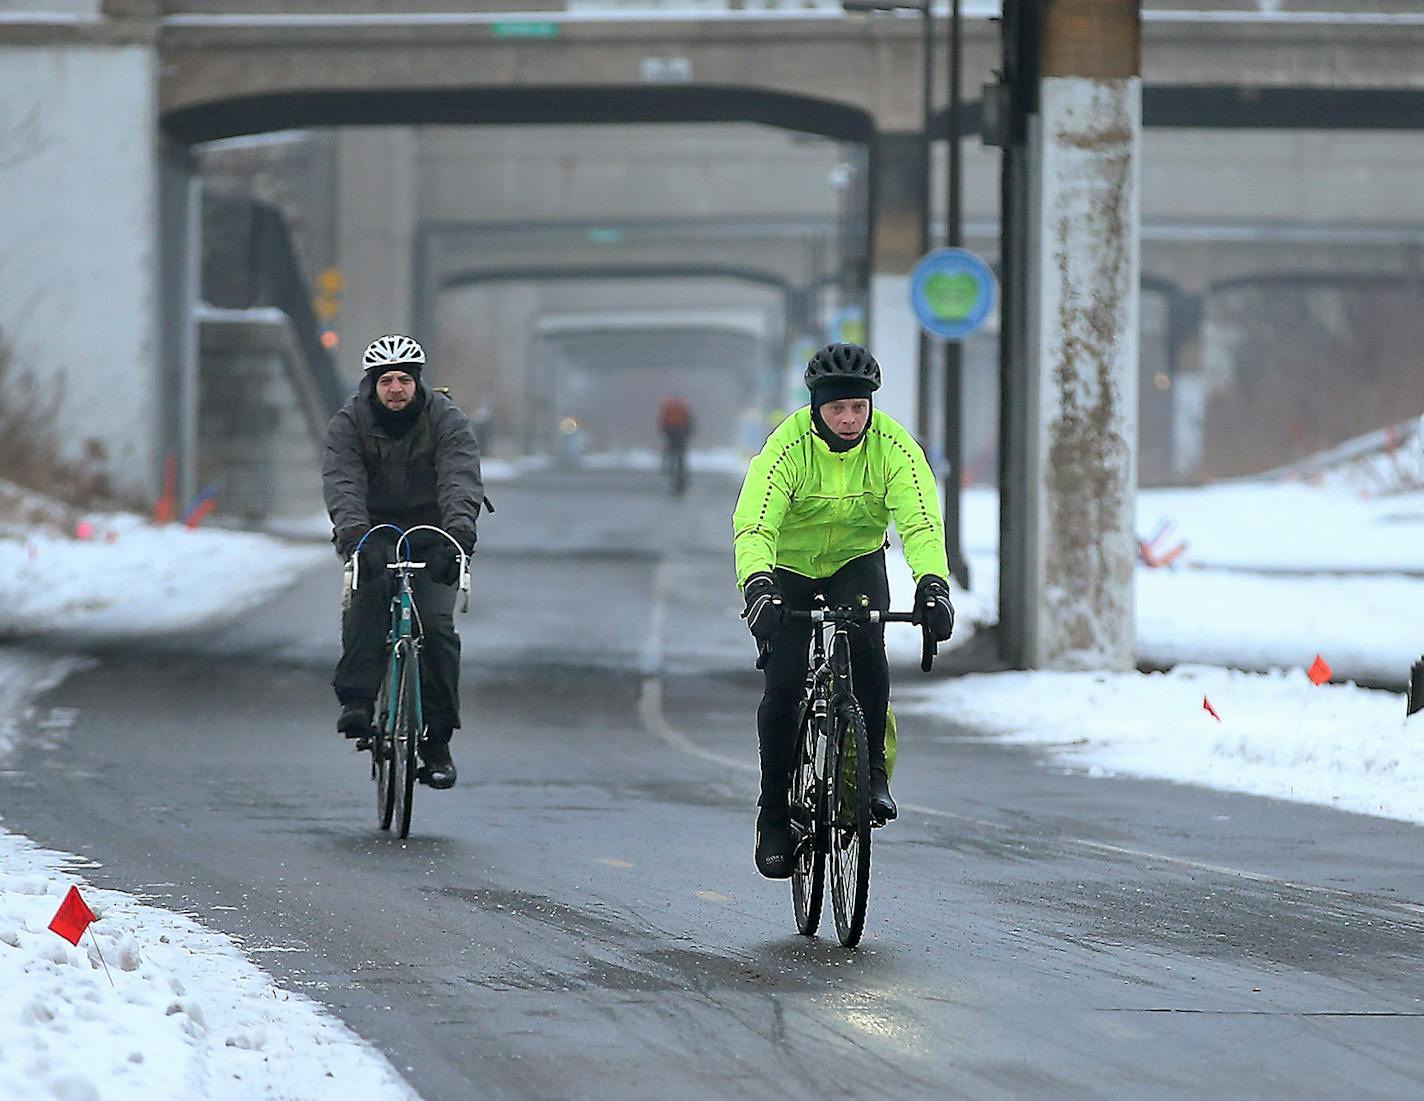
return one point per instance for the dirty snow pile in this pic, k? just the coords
(179, 1014)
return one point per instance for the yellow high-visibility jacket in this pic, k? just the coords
(810, 510)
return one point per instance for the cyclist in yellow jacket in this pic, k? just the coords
(812, 519)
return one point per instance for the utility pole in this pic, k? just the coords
(953, 410)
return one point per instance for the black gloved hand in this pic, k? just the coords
(346, 540)
(465, 537)
(442, 563)
(933, 608)
(764, 612)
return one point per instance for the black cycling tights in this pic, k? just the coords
(786, 666)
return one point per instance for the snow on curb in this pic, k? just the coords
(1279, 735)
(187, 1015)
(133, 578)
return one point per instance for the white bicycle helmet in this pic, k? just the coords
(393, 350)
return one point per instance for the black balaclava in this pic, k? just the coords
(838, 389)
(399, 421)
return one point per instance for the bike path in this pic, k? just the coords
(580, 916)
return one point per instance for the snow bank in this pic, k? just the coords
(186, 1015)
(131, 577)
(1279, 735)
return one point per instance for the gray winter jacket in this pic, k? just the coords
(431, 475)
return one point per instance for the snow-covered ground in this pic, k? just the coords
(188, 1016)
(181, 1013)
(1272, 575)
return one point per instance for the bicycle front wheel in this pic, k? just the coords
(848, 768)
(382, 770)
(405, 730)
(808, 870)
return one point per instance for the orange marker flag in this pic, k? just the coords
(72, 918)
(1320, 671)
(1207, 707)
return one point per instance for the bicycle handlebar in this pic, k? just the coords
(403, 538)
(928, 646)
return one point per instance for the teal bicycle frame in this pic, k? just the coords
(401, 709)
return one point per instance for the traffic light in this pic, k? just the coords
(327, 305)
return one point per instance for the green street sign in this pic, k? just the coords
(952, 292)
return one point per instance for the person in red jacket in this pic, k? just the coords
(676, 424)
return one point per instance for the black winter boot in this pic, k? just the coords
(355, 720)
(437, 769)
(774, 843)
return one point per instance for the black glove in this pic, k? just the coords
(442, 563)
(346, 540)
(933, 608)
(465, 537)
(764, 611)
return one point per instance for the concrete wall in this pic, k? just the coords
(78, 249)
(260, 421)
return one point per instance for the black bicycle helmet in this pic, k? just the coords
(843, 361)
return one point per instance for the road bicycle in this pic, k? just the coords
(830, 780)
(399, 717)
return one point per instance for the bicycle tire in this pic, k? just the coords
(807, 805)
(381, 768)
(405, 731)
(850, 834)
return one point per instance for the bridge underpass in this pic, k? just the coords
(1274, 54)
(611, 372)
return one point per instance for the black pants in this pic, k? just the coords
(786, 667)
(366, 625)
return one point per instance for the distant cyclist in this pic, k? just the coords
(676, 424)
(400, 453)
(812, 518)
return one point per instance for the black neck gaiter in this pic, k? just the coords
(398, 421)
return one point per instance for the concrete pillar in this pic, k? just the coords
(376, 201)
(1084, 272)
(179, 233)
(897, 191)
(78, 263)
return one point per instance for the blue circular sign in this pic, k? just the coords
(952, 292)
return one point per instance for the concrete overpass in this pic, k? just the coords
(84, 77)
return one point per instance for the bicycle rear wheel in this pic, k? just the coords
(848, 768)
(405, 731)
(808, 871)
(381, 767)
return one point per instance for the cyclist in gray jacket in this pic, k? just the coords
(400, 453)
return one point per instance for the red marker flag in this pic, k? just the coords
(1207, 707)
(72, 918)
(1320, 672)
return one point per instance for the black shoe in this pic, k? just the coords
(436, 767)
(882, 807)
(775, 845)
(355, 720)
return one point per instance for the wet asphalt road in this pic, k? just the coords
(580, 917)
